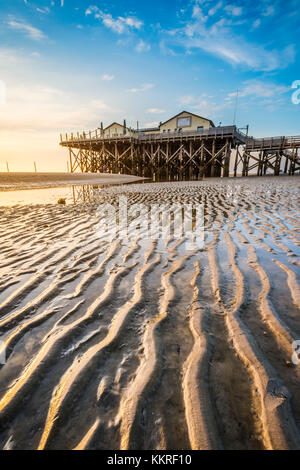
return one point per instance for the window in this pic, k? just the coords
(164, 130)
(199, 128)
(180, 130)
(169, 130)
(184, 121)
(175, 130)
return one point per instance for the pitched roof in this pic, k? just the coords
(192, 114)
(113, 124)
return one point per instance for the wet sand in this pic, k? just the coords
(14, 181)
(143, 344)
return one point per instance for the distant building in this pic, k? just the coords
(182, 122)
(116, 130)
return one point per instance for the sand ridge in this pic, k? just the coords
(142, 344)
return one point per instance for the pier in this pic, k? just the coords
(179, 154)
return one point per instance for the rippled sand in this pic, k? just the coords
(142, 344)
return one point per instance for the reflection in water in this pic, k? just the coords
(86, 193)
(35, 196)
(72, 194)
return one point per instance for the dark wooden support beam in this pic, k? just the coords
(226, 159)
(236, 162)
(212, 170)
(70, 158)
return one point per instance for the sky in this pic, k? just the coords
(67, 65)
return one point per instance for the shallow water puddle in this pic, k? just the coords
(35, 196)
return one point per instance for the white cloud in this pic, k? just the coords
(142, 46)
(107, 78)
(260, 93)
(132, 22)
(198, 13)
(187, 99)
(222, 38)
(124, 42)
(145, 87)
(166, 50)
(233, 10)
(91, 9)
(256, 23)
(260, 89)
(43, 10)
(207, 106)
(119, 25)
(30, 31)
(215, 8)
(155, 110)
(268, 11)
(236, 50)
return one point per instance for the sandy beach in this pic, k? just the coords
(18, 181)
(142, 343)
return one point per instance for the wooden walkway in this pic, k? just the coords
(273, 143)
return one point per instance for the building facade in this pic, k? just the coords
(182, 122)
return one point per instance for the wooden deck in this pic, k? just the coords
(95, 137)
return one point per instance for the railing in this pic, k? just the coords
(293, 140)
(211, 132)
(273, 142)
(97, 134)
(225, 131)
